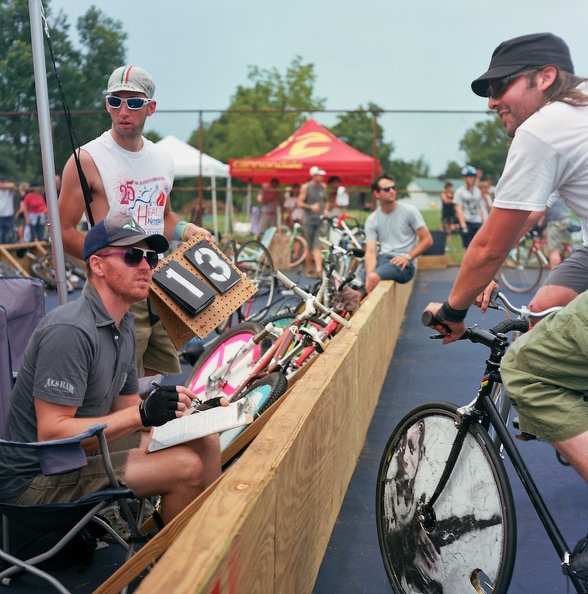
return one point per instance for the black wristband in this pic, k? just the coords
(446, 313)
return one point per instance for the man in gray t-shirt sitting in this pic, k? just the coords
(400, 232)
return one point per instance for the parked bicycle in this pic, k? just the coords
(522, 270)
(241, 363)
(444, 507)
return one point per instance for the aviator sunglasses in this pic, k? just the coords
(497, 87)
(133, 103)
(132, 256)
(387, 189)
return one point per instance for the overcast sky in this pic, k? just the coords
(417, 55)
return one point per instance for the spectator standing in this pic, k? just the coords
(396, 234)
(270, 199)
(293, 214)
(338, 196)
(313, 200)
(449, 222)
(128, 174)
(24, 233)
(468, 206)
(6, 210)
(35, 212)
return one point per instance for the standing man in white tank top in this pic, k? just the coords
(127, 174)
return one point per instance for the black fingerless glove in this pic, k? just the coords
(159, 407)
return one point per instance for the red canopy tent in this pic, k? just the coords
(310, 145)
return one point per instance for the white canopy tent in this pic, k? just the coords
(190, 162)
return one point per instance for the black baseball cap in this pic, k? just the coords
(123, 231)
(524, 52)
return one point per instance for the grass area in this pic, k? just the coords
(432, 219)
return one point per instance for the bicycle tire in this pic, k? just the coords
(42, 270)
(217, 353)
(473, 537)
(262, 394)
(230, 250)
(254, 260)
(297, 250)
(522, 270)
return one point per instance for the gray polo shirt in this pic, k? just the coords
(78, 357)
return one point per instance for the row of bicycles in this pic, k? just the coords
(263, 345)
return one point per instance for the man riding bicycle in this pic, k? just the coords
(544, 107)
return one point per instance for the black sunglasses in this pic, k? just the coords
(497, 88)
(133, 103)
(133, 256)
(388, 189)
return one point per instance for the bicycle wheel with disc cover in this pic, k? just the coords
(468, 543)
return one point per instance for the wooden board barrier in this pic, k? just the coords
(15, 255)
(267, 524)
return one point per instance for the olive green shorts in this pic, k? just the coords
(71, 486)
(155, 349)
(546, 374)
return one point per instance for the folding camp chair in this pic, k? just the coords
(21, 308)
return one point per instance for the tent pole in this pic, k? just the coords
(228, 208)
(200, 143)
(38, 49)
(214, 212)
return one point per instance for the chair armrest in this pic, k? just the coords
(60, 455)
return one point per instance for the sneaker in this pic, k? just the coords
(113, 518)
(347, 299)
(579, 559)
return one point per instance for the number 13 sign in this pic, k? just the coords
(205, 264)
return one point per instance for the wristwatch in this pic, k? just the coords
(408, 257)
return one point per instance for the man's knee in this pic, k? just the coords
(552, 296)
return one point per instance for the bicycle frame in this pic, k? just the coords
(276, 356)
(482, 410)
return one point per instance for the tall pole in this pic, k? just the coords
(201, 148)
(35, 12)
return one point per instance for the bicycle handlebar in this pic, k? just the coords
(301, 293)
(523, 311)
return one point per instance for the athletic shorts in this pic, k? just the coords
(311, 233)
(545, 373)
(557, 232)
(71, 486)
(155, 349)
(572, 272)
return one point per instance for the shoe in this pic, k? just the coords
(113, 518)
(347, 299)
(579, 559)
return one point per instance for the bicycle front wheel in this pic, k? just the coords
(219, 352)
(297, 250)
(255, 261)
(470, 543)
(522, 269)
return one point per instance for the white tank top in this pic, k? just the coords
(136, 184)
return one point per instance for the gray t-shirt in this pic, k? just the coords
(395, 231)
(315, 194)
(76, 357)
(471, 200)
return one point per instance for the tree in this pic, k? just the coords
(238, 135)
(356, 128)
(486, 146)
(81, 72)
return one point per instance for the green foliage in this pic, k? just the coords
(82, 72)
(235, 135)
(453, 170)
(356, 128)
(486, 146)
